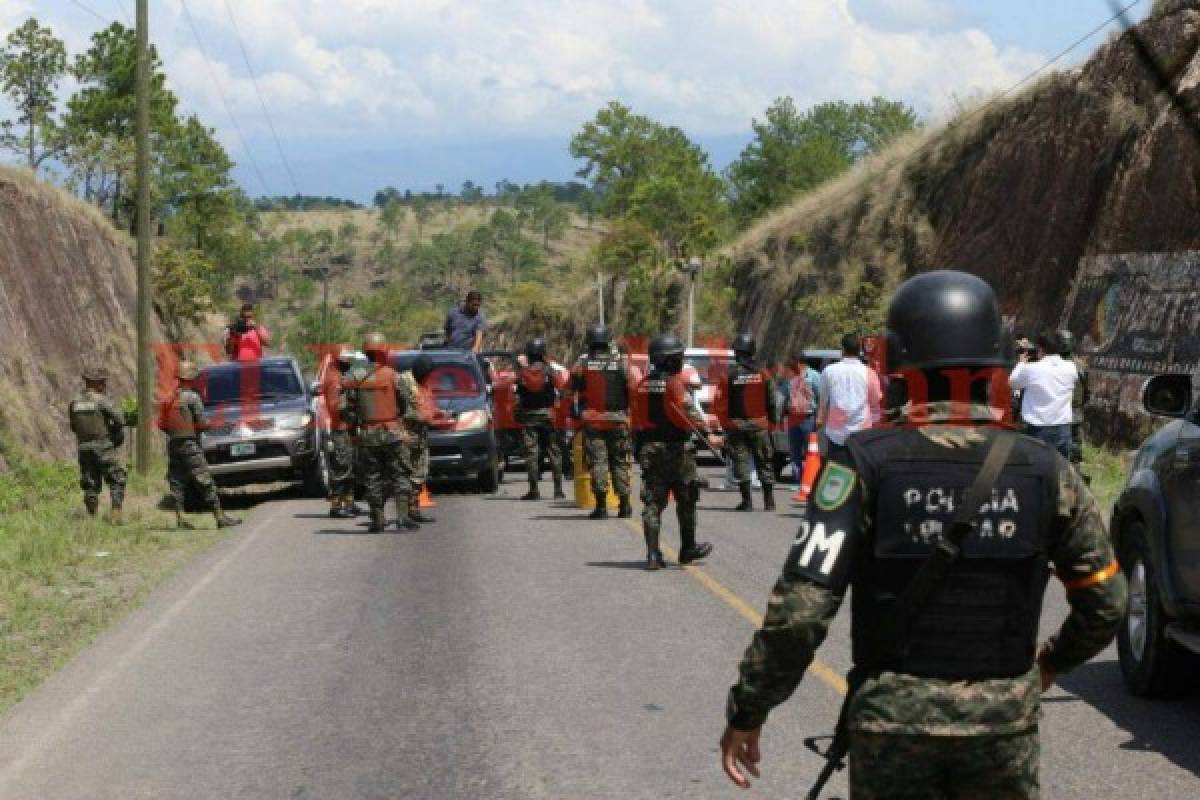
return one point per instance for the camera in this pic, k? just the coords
(240, 325)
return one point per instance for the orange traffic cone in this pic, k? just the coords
(812, 466)
(425, 500)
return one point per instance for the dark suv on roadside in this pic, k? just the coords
(1156, 528)
(261, 425)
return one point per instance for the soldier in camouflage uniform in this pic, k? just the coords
(538, 385)
(600, 382)
(1080, 396)
(667, 421)
(377, 402)
(954, 711)
(183, 420)
(744, 399)
(426, 412)
(99, 430)
(341, 440)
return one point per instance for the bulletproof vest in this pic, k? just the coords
(983, 622)
(535, 387)
(747, 391)
(377, 403)
(87, 420)
(605, 387)
(663, 421)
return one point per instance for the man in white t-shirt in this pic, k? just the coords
(1048, 386)
(850, 396)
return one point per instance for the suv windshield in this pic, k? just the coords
(448, 379)
(249, 382)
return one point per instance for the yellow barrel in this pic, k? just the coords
(584, 498)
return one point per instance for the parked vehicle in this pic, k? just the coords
(261, 430)
(1156, 530)
(466, 447)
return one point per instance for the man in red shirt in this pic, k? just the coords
(245, 339)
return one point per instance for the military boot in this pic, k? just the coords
(182, 524)
(377, 521)
(600, 511)
(414, 511)
(768, 497)
(92, 504)
(224, 520)
(558, 490)
(690, 550)
(625, 511)
(533, 493)
(654, 556)
(747, 503)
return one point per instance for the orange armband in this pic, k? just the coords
(1094, 579)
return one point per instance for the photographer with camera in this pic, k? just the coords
(245, 339)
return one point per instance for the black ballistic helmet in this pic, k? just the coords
(744, 345)
(536, 349)
(422, 366)
(945, 319)
(1066, 343)
(599, 337)
(664, 348)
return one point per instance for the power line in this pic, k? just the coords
(91, 11)
(124, 12)
(224, 101)
(267, 114)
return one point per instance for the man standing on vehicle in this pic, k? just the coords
(245, 339)
(851, 396)
(376, 401)
(99, 430)
(1049, 386)
(945, 693)
(341, 438)
(745, 401)
(601, 386)
(465, 325)
(183, 420)
(666, 422)
(538, 385)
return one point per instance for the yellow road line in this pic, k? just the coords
(823, 672)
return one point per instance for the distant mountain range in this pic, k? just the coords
(334, 168)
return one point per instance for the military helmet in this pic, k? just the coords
(535, 348)
(1066, 342)
(188, 371)
(422, 366)
(664, 348)
(599, 337)
(945, 319)
(375, 344)
(95, 374)
(744, 345)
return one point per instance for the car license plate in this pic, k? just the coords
(241, 450)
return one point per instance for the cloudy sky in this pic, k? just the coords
(366, 93)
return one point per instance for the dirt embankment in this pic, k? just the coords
(1026, 192)
(68, 287)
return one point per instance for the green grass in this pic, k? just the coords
(1108, 471)
(64, 576)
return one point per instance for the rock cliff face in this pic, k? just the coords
(1035, 193)
(67, 294)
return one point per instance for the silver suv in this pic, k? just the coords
(261, 425)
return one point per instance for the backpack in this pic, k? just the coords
(800, 396)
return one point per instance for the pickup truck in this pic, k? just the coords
(1156, 529)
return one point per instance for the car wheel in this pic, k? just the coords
(316, 477)
(1151, 664)
(488, 478)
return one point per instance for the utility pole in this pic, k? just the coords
(145, 364)
(600, 287)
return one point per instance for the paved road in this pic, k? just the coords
(511, 650)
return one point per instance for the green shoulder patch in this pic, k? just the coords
(837, 481)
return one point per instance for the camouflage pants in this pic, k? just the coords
(609, 451)
(98, 464)
(387, 472)
(186, 468)
(668, 467)
(341, 464)
(419, 452)
(746, 445)
(900, 767)
(538, 436)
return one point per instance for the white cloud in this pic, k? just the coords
(374, 70)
